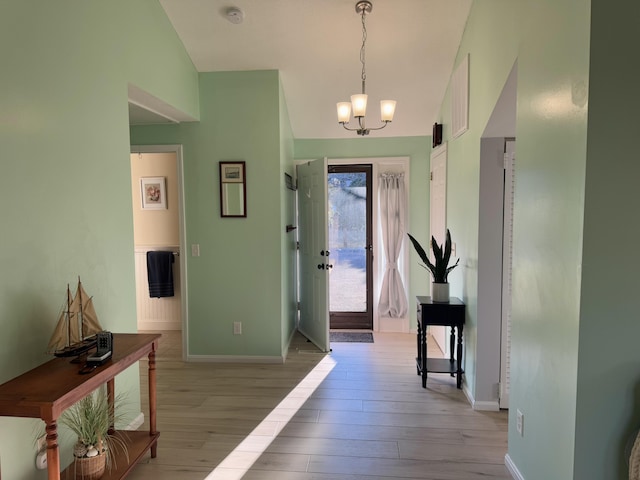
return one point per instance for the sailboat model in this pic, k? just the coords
(75, 332)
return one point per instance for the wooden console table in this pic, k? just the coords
(448, 314)
(46, 391)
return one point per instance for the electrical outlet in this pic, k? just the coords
(237, 328)
(520, 422)
(42, 443)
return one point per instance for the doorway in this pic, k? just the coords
(159, 227)
(350, 246)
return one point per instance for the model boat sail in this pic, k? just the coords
(77, 326)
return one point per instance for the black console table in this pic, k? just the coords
(450, 315)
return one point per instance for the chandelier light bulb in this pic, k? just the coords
(387, 109)
(359, 103)
(344, 112)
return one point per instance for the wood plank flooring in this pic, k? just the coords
(359, 413)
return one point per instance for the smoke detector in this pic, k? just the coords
(235, 15)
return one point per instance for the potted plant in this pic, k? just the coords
(440, 270)
(91, 419)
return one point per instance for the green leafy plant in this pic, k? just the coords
(91, 419)
(440, 270)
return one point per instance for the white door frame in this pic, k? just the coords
(507, 261)
(438, 222)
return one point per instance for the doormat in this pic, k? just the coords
(356, 337)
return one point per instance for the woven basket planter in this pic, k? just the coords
(634, 460)
(91, 468)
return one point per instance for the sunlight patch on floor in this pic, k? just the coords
(238, 462)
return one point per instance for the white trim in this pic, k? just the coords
(145, 100)
(491, 406)
(513, 470)
(159, 325)
(235, 359)
(136, 423)
(177, 149)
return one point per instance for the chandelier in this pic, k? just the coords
(359, 101)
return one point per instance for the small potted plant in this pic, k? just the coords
(91, 419)
(440, 270)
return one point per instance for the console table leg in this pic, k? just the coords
(53, 455)
(152, 397)
(459, 356)
(111, 395)
(419, 350)
(452, 340)
(423, 356)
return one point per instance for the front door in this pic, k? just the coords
(350, 247)
(313, 254)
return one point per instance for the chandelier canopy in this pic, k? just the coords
(359, 101)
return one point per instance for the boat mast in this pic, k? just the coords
(80, 311)
(68, 315)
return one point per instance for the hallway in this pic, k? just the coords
(358, 413)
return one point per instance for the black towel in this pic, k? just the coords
(160, 274)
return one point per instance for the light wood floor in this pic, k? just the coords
(358, 413)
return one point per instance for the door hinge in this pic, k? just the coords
(297, 245)
(431, 176)
(298, 306)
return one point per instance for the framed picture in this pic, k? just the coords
(232, 172)
(154, 193)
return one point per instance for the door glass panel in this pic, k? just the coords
(348, 242)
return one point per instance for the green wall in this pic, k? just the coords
(418, 149)
(65, 184)
(608, 382)
(237, 277)
(576, 384)
(491, 57)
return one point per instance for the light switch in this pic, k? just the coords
(195, 250)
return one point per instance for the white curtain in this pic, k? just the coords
(392, 198)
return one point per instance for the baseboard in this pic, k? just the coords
(513, 470)
(235, 359)
(155, 325)
(393, 325)
(136, 423)
(492, 406)
(486, 406)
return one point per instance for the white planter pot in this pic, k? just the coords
(440, 292)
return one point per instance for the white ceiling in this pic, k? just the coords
(315, 44)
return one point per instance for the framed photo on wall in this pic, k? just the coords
(154, 193)
(232, 172)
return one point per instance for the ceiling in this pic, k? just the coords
(410, 51)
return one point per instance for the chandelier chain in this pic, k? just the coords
(362, 51)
